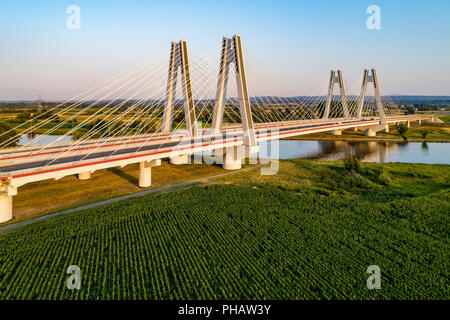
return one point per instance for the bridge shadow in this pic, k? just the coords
(124, 175)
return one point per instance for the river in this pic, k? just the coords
(370, 151)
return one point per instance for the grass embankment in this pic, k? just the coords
(436, 132)
(49, 196)
(309, 232)
(446, 119)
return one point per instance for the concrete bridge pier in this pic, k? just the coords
(84, 175)
(372, 131)
(232, 160)
(408, 124)
(419, 121)
(336, 132)
(233, 157)
(433, 120)
(6, 212)
(386, 128)
(180, 159)
(6, 202)
(145, 172)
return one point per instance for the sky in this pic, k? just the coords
(299, 41)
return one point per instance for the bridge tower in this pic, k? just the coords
(336, 77)
(371, 78)
(179, 59)
(232, 54)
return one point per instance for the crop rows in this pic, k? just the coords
(234, 242)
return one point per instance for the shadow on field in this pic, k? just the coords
(123, 175)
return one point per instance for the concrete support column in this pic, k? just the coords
(145, 175)
(181, 159)
(386, 128)
(84, 175)
(370, 132)
(7, 192)
(419, 121)
(232, 159)
(145, 172)
(336, 132)
(408, 124)
(6, 208)
(355, 129)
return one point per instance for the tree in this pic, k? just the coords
(402, 128)
(8, 135)
(424, 133)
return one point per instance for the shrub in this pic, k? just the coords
(402, 128)
(8, 136)
(357, 180)
(23, 116)
(352, 163)
(384, 177)
(77, 135)
(424, 133)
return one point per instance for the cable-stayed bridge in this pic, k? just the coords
(176, 105)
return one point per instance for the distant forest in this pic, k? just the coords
(406, 101)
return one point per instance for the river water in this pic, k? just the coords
(372, 151)
(42, 139)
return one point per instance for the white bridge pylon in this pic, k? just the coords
(340, 81)
(372, 78)
(179, 58)
(232, 53)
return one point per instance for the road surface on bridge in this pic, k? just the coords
(29, 162)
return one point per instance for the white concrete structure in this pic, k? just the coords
(234, 156)
(333, 80)
(336, 132)
(145, 172)
(6, 208)
(179, 159)
(179, 58)
(7, 191)
(84, 175)
(373, 78)
(232, 53)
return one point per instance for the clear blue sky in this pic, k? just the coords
(299, 40)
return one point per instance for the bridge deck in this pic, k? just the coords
(95, 154)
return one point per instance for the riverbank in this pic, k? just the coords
(435, 132)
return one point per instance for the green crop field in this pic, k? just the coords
(309, 232)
